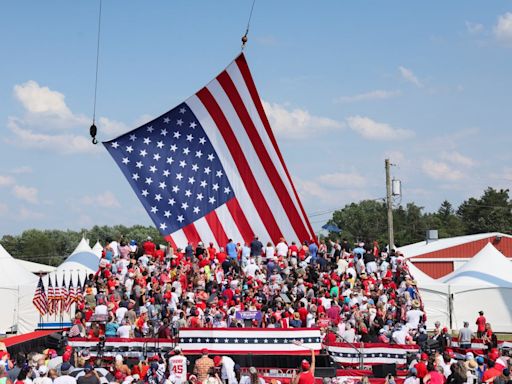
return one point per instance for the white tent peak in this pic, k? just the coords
(97, 249)
(488, 267)
(83, 246)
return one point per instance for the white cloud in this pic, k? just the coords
(28, 194)
(21, 170)
(104, 200)
(6, 181)
(503, 28)
(27, 214)
(396, 157)
(342, 180)
(297, 123)
(372, 95)
(61, 143)
(37, 99)
(409, 76)
(441, 171)
(111, 128)
(373, 130)
(458, 159)
(474, 28)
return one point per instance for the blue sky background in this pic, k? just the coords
(345, 84)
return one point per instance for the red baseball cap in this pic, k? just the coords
(204, 351)
(424, 356)
(305, 365)
(217, 360)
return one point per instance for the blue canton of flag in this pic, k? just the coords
(172, 166)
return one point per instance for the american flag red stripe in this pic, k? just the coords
(216, 227)
(259, 147)
(246, 74)
(244, 170)
(240, 220)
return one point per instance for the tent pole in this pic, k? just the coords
(450, 305)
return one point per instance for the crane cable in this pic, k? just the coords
(244, 37)
(93, 130)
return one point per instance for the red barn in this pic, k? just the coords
(438, 258)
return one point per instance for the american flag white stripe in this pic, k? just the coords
(180, 239)
(229, 167)
(229, 223)
(236, 76)
(206, 233)
(251, 155)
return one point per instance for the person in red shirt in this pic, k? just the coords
(212, 251)
(221, 256)
(491, 372)
(159, 254)
(421, 366)
(307, 374)
(303, 312)
(480, 323)
(149, 247)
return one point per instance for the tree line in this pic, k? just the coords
(367, 219)
(362, 221)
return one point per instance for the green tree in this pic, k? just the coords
(363, 221)
(490, 213)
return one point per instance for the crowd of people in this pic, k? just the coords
(359, 293)
(353, 293)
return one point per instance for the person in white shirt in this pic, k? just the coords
(101, 309)
(251, 268)
(399, 335)
(282, 248)
(414, 315)
(411, 377)
(120, 312)
(125, 330)
(253, 377)
(227, 368)
(43, 376)
(349, 335)
(64, 377)
(178, 367)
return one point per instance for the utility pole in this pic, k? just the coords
(389, 203)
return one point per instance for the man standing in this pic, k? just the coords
(178, 367)
(465, 335)
(227, 369)
(203, 365)
(256, 247)
(480, 323)
(307, 376)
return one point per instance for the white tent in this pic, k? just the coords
(483, 283)
(82, 262)
(36, 267)
(17, 288)
(97, 249)
(434, 295)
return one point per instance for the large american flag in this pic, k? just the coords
(210, 168)
(40, 300)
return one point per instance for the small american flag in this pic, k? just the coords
(51, 297)
(64, 294)
(40, 300)
(71, 298)
(210, 168)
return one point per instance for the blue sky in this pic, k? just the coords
(345, 85)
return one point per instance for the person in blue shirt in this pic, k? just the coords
(231, 249)
(313, 251)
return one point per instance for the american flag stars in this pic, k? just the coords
(173, 168)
